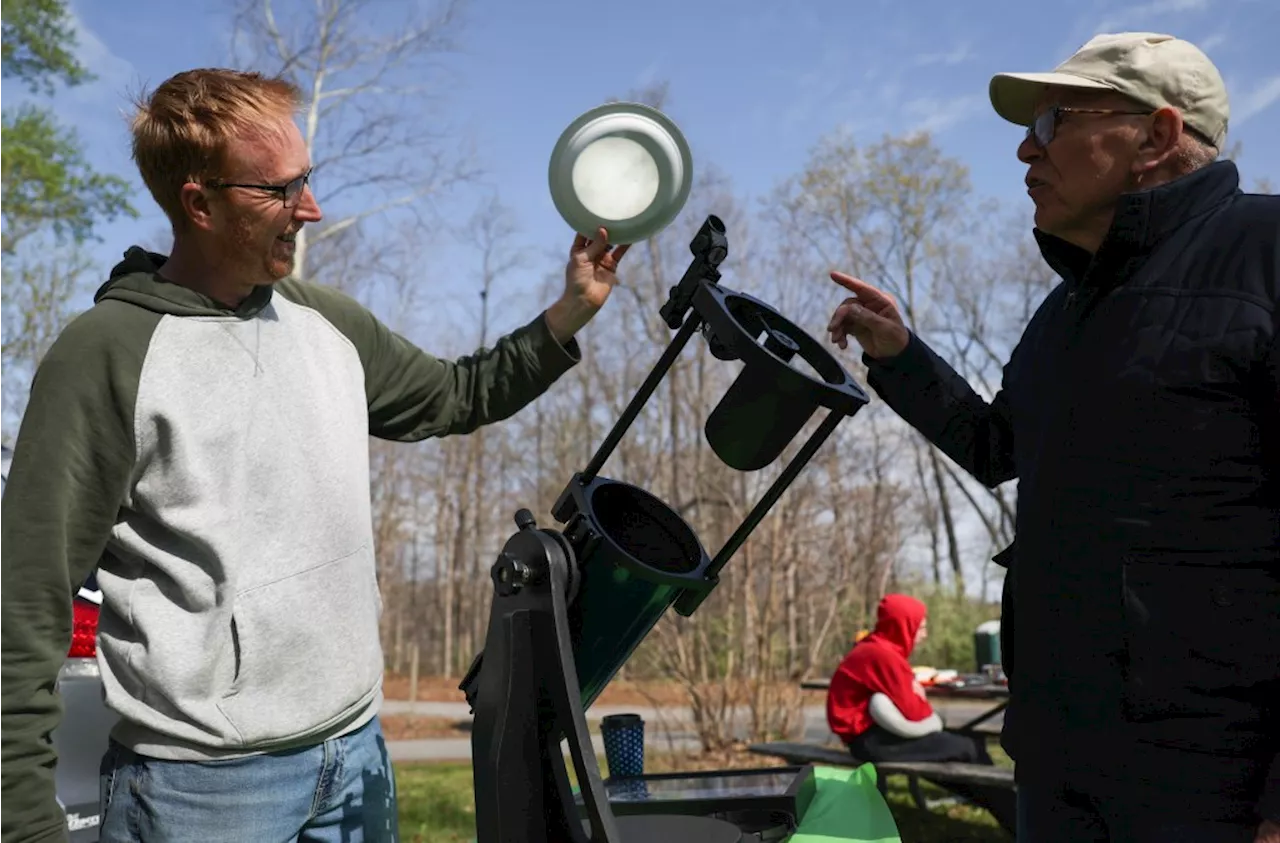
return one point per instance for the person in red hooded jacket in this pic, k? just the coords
(876, 706)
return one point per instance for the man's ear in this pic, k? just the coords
(1158, 140)
(196, 206)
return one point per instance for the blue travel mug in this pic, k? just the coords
(623, 736)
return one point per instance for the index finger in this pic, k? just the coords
(864, 291)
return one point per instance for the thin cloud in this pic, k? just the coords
(958, 55)
(820, 91)
(1150, 16)
(649, 75)
(114, 73)
(1252, 103)
(1165, 7)
(1212, 42)
(937, 115)
(1134, 15)
(97, 110)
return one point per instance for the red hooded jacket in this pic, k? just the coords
(879, 664)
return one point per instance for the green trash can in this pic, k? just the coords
(986, 645)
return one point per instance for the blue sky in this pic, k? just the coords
(752, 86)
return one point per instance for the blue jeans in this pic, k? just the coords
(340, 790)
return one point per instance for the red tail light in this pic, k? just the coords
(84, 629)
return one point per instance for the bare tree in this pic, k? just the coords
(990, 287)
(1262, 184)
(885, 212)
(359, 66)
(40, 298)
(490, 231)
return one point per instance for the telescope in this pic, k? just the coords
(571, 603)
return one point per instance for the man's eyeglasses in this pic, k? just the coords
(289, 193)
(1045, 126)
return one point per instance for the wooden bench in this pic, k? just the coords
(807, 753)
(831, 756)
(991, 787)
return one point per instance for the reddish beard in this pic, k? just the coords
(255, 251)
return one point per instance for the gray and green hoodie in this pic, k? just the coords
(213, 464)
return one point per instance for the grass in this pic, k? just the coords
(409, 727)
(952, 824)
(437, 804)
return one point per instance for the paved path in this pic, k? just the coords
(666, 728)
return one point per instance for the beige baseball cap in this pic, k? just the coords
(1156, 70)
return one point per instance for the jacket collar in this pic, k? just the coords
(1146, 217)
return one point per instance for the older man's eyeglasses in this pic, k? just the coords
(1045, 126)
(289, 193)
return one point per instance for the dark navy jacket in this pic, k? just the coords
(1140, 414)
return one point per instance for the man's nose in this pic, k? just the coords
(308, 209)
(1029, 150)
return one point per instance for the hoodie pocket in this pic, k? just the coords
(309, 651)
(1201, 640)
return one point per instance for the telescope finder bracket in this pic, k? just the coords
(710, 247)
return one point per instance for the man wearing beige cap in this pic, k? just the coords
(1140, 414)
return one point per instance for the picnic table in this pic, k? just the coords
(964, 690)
(994, 691)
(993, 788)
(848, 806)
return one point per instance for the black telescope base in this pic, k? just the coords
(524, 691)
(676, 828)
